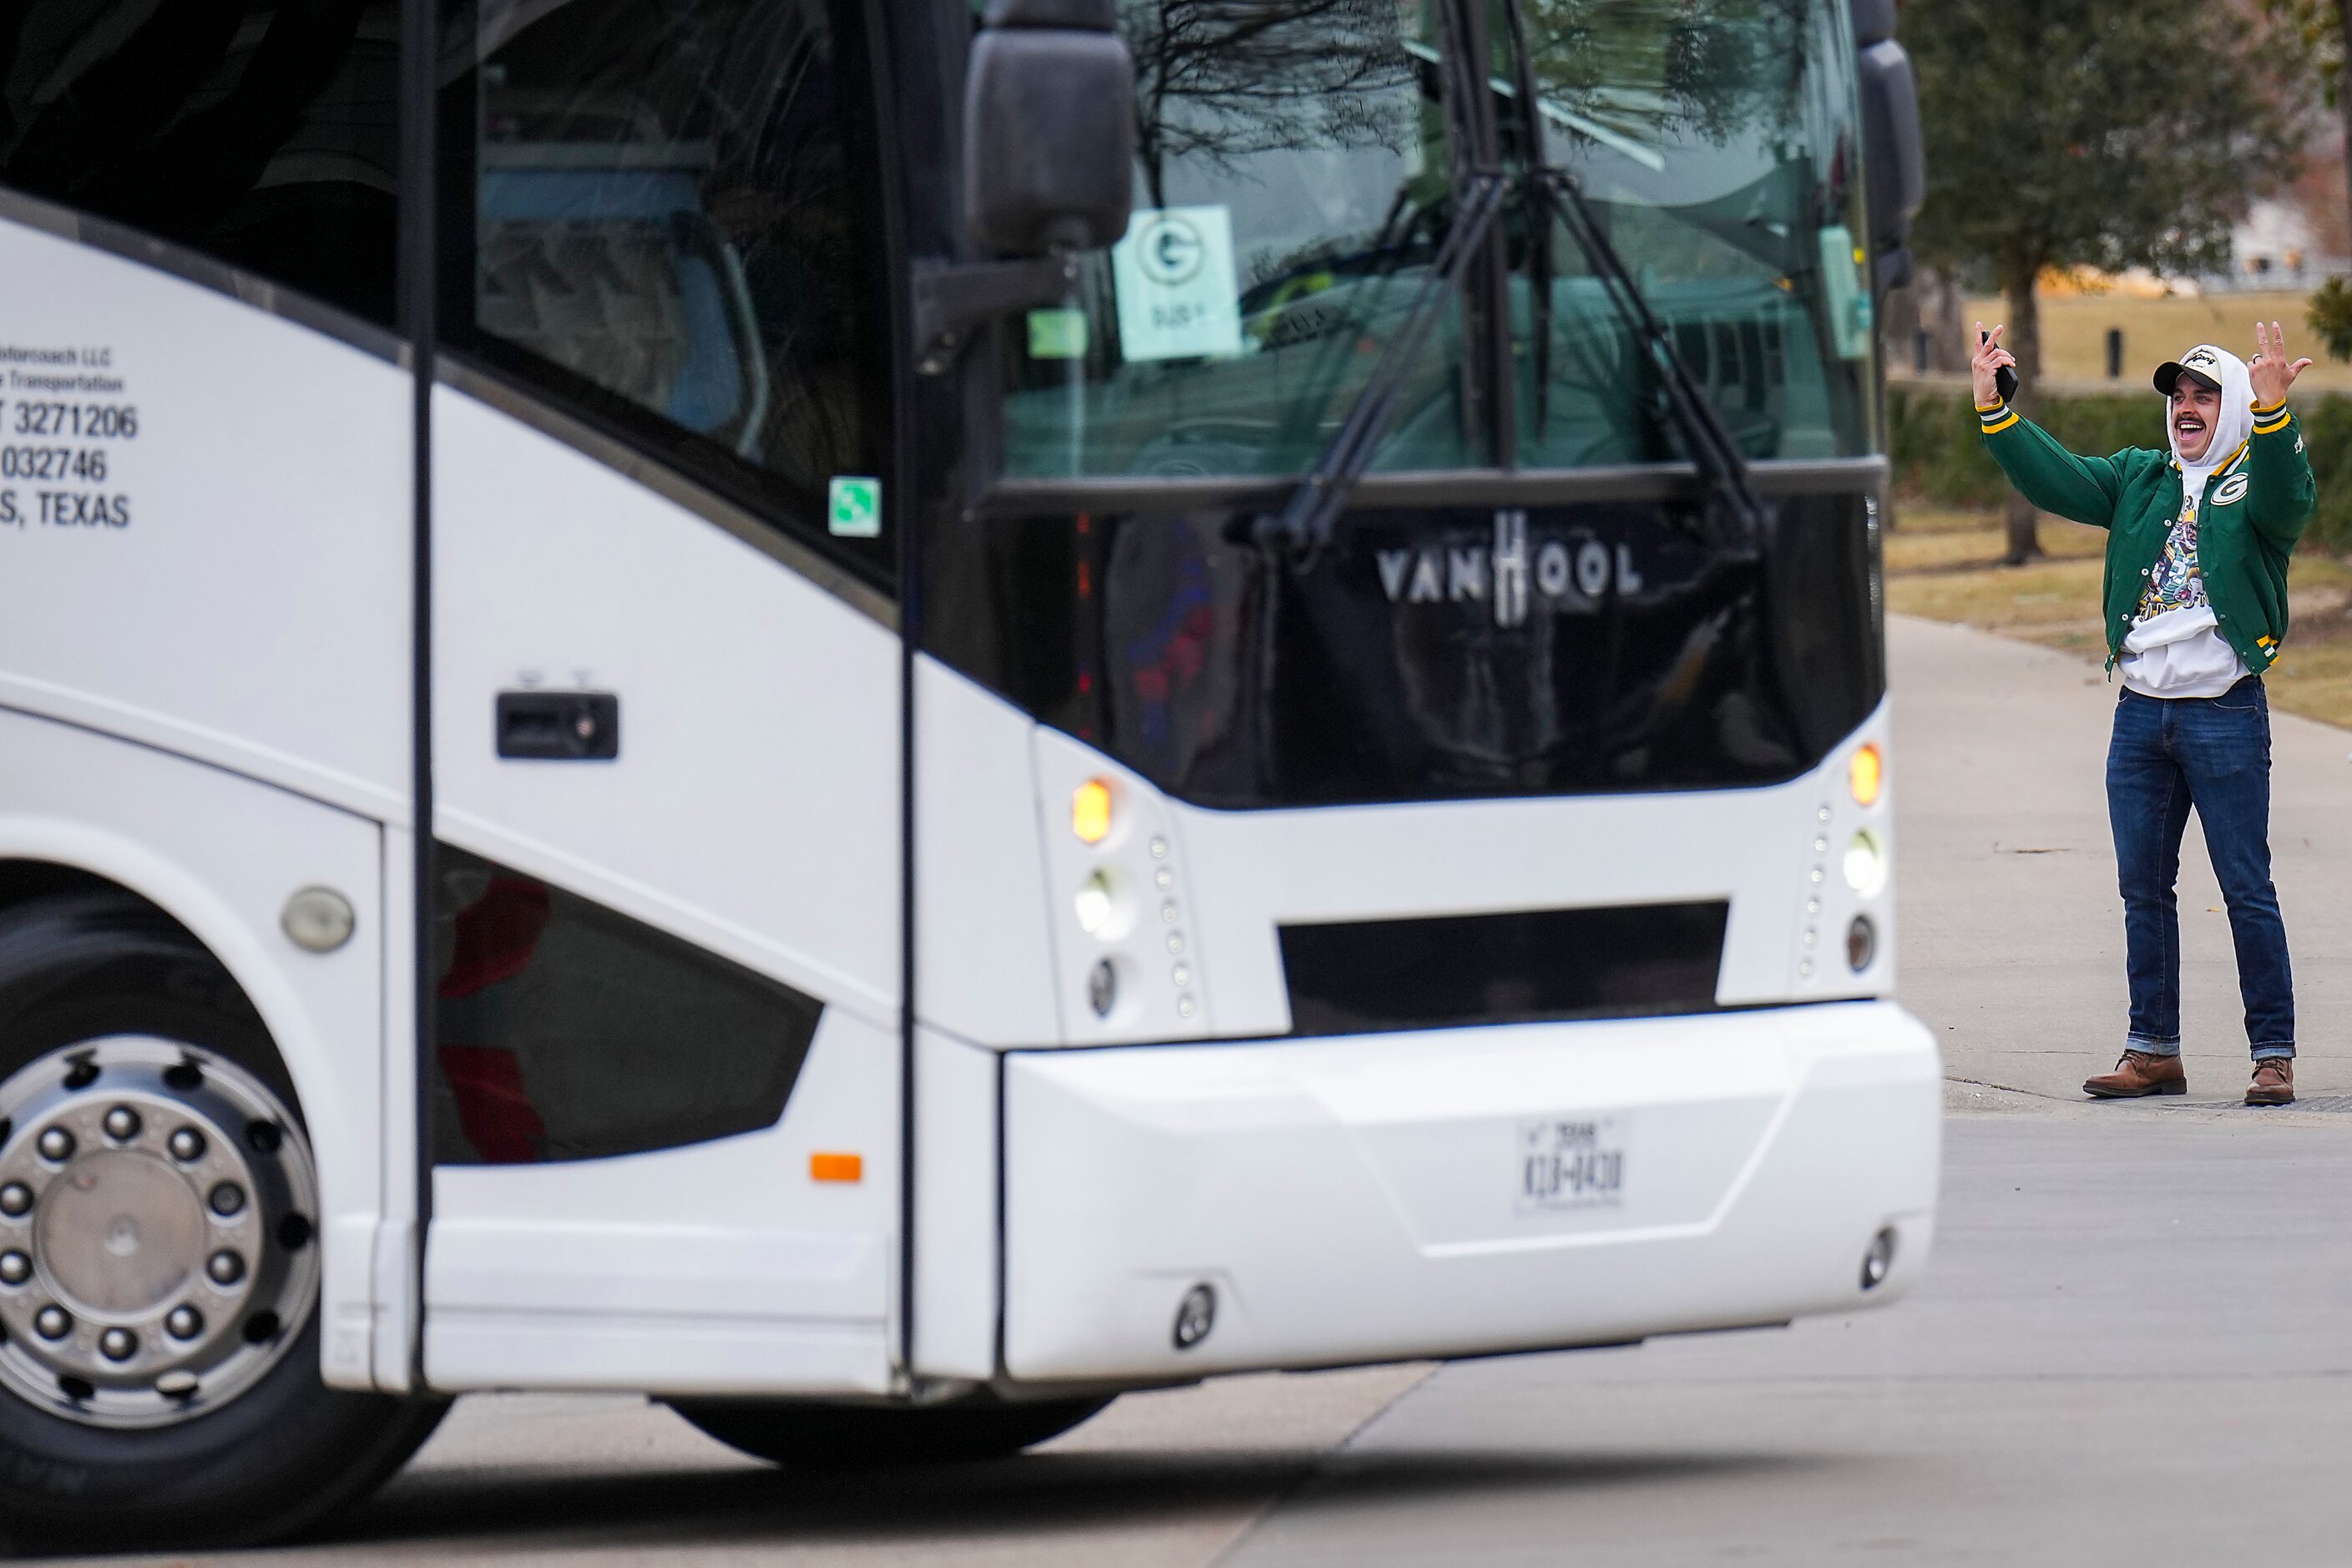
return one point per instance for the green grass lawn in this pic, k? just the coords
(1944, 564)
(2073, 334)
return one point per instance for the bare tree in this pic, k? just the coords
(1224, 79)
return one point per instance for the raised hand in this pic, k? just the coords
(2269, 369)
(1986, 366)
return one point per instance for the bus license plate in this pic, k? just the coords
(1571, 1162)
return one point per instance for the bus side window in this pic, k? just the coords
(671, 233)
(564, 1031)
(263, 133)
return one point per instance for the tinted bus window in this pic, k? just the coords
(263, 135)
(671, 227)
(564, 1031)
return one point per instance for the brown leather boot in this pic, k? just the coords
(2274, 1083)
(2139, 1073)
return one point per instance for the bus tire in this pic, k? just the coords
(119, 1031)
(801, 1435)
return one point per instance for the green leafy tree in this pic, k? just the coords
(2324, 29)
(2329, 312)
(2108, 133)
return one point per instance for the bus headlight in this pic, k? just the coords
(1098, 903)
(1865, 864)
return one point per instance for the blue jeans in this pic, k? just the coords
(2212, 752)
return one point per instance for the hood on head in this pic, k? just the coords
(2233, 422)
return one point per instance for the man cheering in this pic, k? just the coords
(2197, 544)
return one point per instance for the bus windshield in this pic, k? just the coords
(1297, 173)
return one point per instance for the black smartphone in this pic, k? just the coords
(2004, 380)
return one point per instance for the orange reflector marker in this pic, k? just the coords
(836, 1167)
(1090, 811)
(1867, 773)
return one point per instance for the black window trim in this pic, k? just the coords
(192, 266)
(1437, 486)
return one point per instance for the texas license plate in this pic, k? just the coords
(1571, 1162)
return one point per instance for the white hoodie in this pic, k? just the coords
(2180, 652)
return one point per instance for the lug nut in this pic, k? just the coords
(15, 1269)
(57, 1145)
(225, 1268)
(187, 1145)
(118, 1344)
(227, 1199)
(53, 1322)
(122, 1124)
(185, 1323)
(16, 1199)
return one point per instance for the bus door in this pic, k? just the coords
(664, 1060)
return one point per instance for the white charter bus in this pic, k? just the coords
(881, 716)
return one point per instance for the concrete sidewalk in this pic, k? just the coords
(2011, 931)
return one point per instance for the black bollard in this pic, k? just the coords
(2114, 354)
(1919, 350)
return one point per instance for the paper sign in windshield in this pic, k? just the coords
(1174, 277)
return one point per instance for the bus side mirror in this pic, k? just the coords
(1893, 155)
(1048, 128)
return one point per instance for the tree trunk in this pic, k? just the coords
(2023, 339)
(1898, 324)
(1940, 308)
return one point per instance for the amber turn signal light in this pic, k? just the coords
(1090, 811)
(1867, 774)
(836, 1167)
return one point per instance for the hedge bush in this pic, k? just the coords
(1939, 455)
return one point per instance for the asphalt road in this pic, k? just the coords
(2131, 1346)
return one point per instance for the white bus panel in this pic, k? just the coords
(1368, 1199)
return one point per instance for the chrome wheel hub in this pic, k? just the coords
(157, 1210)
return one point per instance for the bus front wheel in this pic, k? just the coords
(159, 1252)
(857, 1436)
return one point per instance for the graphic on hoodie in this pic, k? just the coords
(2175, 583)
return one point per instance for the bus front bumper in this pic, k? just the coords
(1459, 1192)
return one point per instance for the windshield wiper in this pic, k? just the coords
(1303, 527)
(1713, 450)
(1304, 524)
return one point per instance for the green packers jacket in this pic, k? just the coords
(2253, 511)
